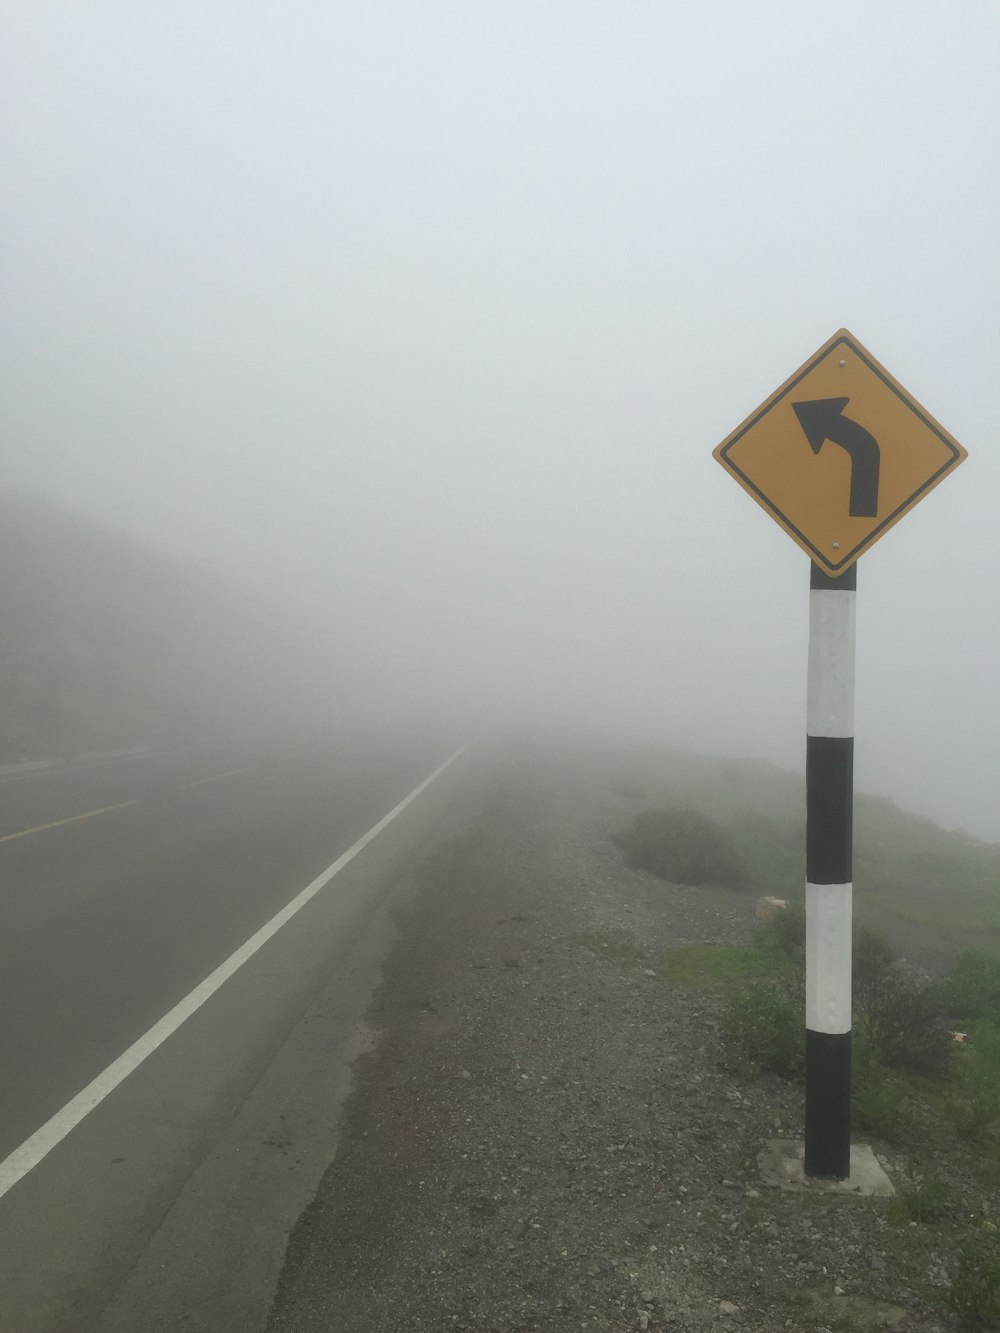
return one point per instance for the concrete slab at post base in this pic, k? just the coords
(782, 1164)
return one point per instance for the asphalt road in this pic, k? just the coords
(125, 883)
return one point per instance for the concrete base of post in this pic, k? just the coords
(782, 1165)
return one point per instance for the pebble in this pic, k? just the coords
(728, 1308)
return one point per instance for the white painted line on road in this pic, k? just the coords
(73, 819)
(41, 1143)
(216, 777)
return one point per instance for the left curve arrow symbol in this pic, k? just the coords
(822, 419)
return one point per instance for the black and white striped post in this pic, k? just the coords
(829, 838)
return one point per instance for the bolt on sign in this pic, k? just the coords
(839, 453)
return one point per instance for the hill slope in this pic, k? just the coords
(106, 643)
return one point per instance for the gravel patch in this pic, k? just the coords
(545, 1137)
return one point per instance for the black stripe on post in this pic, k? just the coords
(828, 1105)
(819, 578)
(829, 809)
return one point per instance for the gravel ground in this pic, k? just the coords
(544, 1136)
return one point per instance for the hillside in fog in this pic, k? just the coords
(106, 643)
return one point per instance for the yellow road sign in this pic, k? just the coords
(839, 453)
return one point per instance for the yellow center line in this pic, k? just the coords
(216, 777)
(73, 819)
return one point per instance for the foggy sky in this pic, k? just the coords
(430, 315)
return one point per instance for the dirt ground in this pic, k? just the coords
(544, 1136)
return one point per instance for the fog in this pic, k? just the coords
(426, 319)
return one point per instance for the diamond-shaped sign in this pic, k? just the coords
(839, 453)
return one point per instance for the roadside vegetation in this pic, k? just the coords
(741, 823)
(932, 1098)
(684, 846)
(925, 1070)
(926, 1040)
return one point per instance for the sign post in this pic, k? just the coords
(829, 876)
(836, 455)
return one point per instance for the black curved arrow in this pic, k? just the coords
(821, 420)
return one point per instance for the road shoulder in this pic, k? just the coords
(544, 1136)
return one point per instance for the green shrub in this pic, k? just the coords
(974, 1293)
(685, 847)
(971, 987)
(872, 960)
(765, 1029)
(924, 1201)
(774, 851)
(973, 1116)
(878, 1104)
(785, 933)
(878, 1098)
(974, 1098)
(903, 1015)
(908, 1023)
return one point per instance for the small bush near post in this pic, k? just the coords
(971, 988)
(785, 933)
(974, 1294)
(872, 960)
(878, 1102)
(763, 1026)
(685, 847)
(908, 1024)
(974, 1095)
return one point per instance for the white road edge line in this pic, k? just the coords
(40, 1144)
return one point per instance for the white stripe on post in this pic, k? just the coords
(830, 702)
(828, 957)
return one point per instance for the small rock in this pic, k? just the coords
(648, 972)
(728, 1308)
(647, 1298)
(769, 907)
(644, 1319)
(838, 1291)
(753, 1194)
